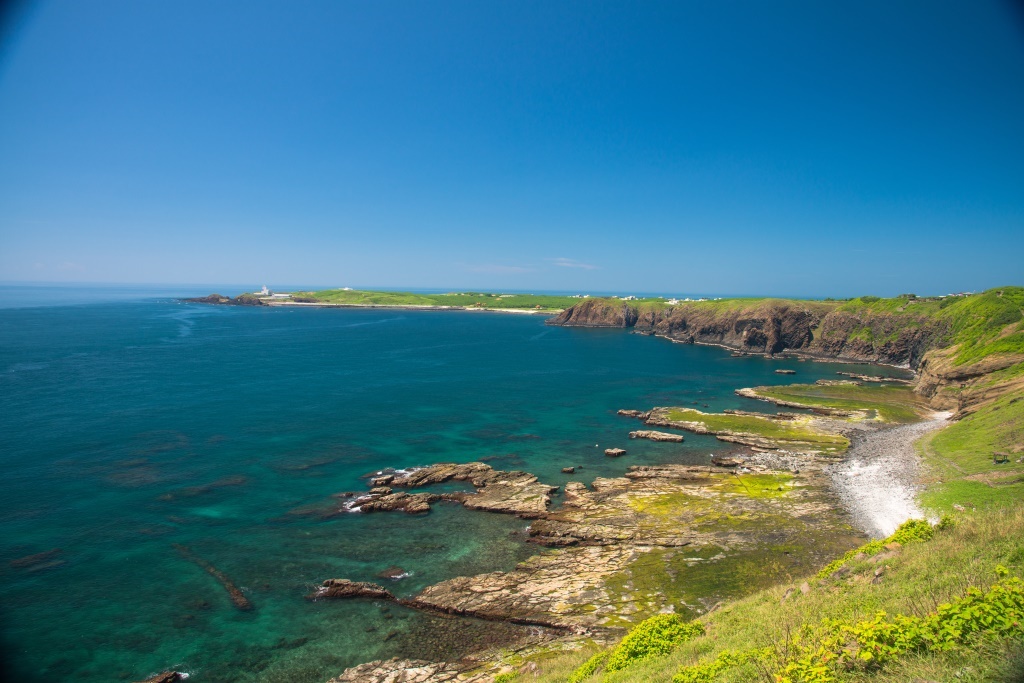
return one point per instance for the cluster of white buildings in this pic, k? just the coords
(264, 292)
(670, 302)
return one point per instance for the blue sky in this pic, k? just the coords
(803, 148)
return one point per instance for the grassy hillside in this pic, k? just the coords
(979, 324)
(961, 467)
(986, 324)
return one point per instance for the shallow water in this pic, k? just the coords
(127, 427)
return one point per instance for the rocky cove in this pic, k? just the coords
(661, 538)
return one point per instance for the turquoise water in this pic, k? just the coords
(130, 426)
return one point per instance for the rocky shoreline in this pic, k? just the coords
(670, 537)
(693, 528)
(676, 538)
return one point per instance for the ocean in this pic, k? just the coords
(139, 433)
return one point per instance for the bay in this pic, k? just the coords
(136, 424)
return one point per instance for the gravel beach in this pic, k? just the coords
(878, 481)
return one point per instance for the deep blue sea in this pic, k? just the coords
(132, 424)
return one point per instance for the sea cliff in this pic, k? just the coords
(772, 326)
(967, 350)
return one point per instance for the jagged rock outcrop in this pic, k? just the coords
(411, 503)
(597, 313)
(515, 493)
(878, 338)
(343, 588)
(962, 388)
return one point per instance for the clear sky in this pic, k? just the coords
(801, 148)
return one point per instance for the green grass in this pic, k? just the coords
(894, 306)
(789, 430)
(980, 324)
(891, 403)
(959, 458)
(462, 299)
(987, 323)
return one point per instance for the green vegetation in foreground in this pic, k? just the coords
(779, 430)
(950, 608)
(911, 531)
(652, 637)
(542, 302)
(960, 463)
(890, 403)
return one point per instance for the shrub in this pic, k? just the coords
(706, 672)
(910, 531)
(651, 638)
(588, 667)
(877, 641)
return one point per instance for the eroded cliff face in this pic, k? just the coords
(772, 326)
(878, 337)
(597, 313)
(766, 328)
(964, 388)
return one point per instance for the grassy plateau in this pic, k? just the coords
(483, 300)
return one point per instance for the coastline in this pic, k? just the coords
(551, 313)
(796, 353)
(413, 307)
